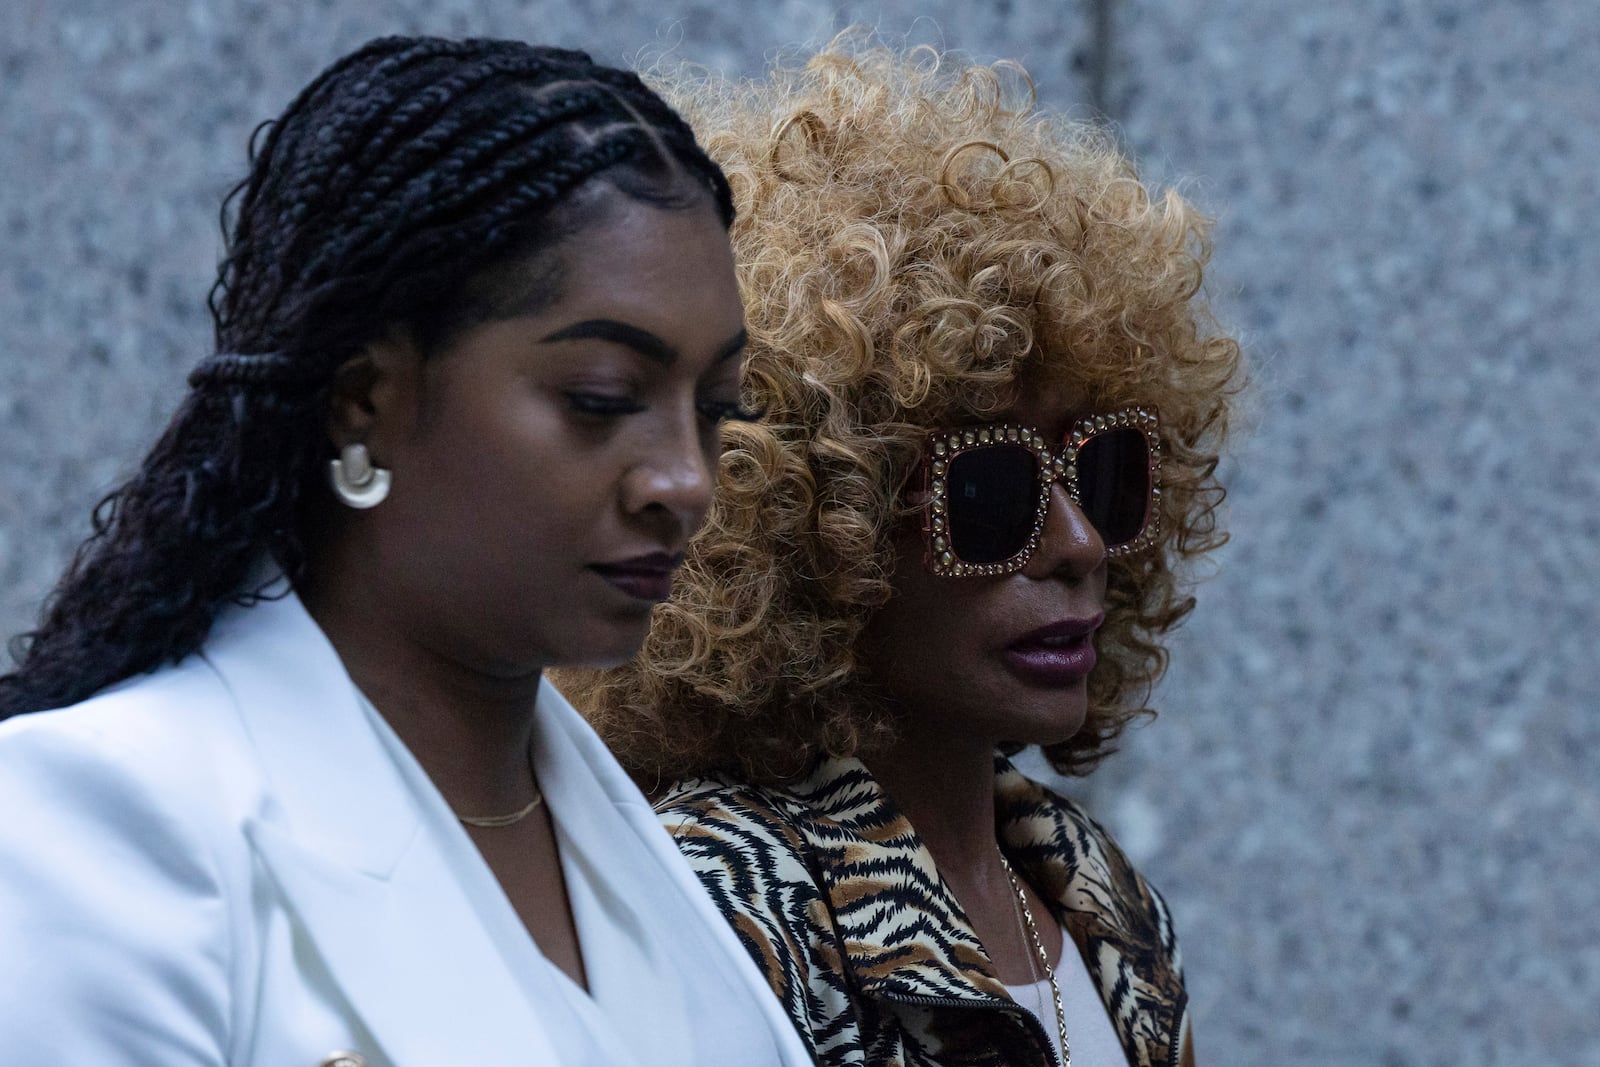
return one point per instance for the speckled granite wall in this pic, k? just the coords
(1372, 797)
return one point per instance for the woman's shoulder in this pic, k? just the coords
(816, 806)
(721, 808)
(153, 749)
(159, 717)
(120, 836)
(130, 783)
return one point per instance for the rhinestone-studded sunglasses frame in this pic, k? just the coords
(1061, 463)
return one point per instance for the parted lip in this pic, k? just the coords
(1060, 630)
(651, 563)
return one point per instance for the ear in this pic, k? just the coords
(374, 394)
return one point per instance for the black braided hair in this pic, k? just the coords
(402, 173)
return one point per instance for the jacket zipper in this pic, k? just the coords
(1176, 1048)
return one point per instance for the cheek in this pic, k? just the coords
(496, 458)
(916, 638)
(921, 660)
(492, 508)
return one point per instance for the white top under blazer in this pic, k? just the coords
(235, 861)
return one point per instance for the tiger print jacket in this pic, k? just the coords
(841, 906)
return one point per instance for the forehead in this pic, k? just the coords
(668, 269)
(617, 232)
(1050, 403)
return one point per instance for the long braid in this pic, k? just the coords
(399, 174)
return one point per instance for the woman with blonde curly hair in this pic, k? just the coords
(993, 405)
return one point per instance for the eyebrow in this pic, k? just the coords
(643, 342)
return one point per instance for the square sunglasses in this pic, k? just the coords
(989, 489)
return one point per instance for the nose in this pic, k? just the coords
(1069, 546)
(674, 477)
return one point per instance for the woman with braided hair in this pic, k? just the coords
(283, 782)
(993, 405)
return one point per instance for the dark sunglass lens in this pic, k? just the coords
(1114, 483)
(993, 497)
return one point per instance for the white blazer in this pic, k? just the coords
(220, 863)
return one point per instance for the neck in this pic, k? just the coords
(470, 730)
(945, 787)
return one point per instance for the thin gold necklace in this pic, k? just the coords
(1044, 958)
(495, 821)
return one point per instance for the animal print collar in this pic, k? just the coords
(905, 937)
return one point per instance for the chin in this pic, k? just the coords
(609, 650)
(1059, 731)
(600, 661)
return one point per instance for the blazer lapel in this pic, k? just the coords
(410, 956)
(343, 840)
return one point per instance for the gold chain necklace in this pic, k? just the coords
(496, 821)
(1044, 959)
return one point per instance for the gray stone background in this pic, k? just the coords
(1372, 795)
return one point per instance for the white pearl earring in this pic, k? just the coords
(355, 480)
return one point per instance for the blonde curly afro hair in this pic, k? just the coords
(912, 235)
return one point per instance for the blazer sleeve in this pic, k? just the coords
(114, 938)
(752, 862)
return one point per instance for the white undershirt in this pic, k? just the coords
(1094, 1042)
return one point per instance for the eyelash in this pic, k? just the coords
(602, 405)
